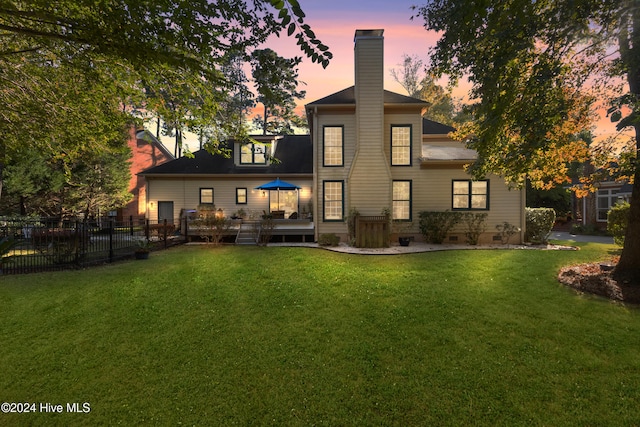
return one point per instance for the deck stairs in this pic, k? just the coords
(247, 233)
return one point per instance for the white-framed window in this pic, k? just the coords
(605, 200)
(333, 201)
(401, 145)
(333, 146)
(206, 196)
(470, 195)
(253, 154)
(241, 196)
(401, 202)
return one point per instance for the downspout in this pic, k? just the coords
(147, 193)
(314, 189)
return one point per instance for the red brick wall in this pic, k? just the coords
(145, 155)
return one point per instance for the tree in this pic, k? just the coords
(234, 109)
(85, 184)
(121, 48)
(534, 69)
(276, 81)
(419, 82)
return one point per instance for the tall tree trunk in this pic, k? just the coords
(264, 125)
(629, 41)
(628, 267)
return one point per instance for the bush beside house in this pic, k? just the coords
(539, 222)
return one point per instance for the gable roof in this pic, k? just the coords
(429, 127)
(348, 97)
(293, 152)
(145, 135)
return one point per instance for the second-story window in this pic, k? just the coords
(253, 154)
(333, 146)
(401, 145)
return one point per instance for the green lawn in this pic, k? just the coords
(299, 336)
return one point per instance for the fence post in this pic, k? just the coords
(164, 233)
(77, 242)
(186, 229)
(146, 229)
(131, 225)
(110, 240)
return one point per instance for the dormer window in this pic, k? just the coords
(253, 154)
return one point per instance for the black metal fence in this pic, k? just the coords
(51, 244)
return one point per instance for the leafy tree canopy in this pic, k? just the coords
(163, 55)
(276, 81)
(75, 73)
(419, 82)
(537, 69)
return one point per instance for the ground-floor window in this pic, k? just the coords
(241, 196)
(606, 199)
(470, 195)
(333, 201)
(284, 202)
(401, 200)
(206, 196)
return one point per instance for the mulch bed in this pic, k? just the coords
(597, 279)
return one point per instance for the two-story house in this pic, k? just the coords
(373, 151)
(368, 150)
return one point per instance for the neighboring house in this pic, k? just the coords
(368, 149)
(147, 152)
(593, 209)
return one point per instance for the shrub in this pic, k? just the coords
(351, 225)
(211, 224)
(329, 239)
(617, 221)
(435, 226)
(506, 230)
(263, 229)
(586, 229)
(475, 224)
(539, 222)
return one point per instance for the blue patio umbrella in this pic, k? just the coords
(278, 185)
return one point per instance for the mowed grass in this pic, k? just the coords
(300, 336)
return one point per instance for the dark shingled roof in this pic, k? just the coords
(348, 97)
(294, 152)
(429, 127)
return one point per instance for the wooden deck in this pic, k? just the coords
(304, 228)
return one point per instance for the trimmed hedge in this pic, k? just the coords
(539, 222)
(328, 239)
(617, 221)
(435, 226)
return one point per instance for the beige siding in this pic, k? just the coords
(185, 194)
(348, 121)
(369, 188)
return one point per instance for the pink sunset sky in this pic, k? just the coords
(334, 22)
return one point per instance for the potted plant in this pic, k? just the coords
(239, 214)
(144, 247)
